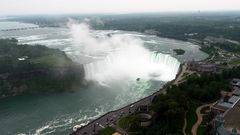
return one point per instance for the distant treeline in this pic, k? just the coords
(179, 27)
(224, 25)
(176, 26)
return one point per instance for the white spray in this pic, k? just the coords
(124, 57)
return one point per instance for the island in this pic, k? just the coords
(179, 51)
(29, 69)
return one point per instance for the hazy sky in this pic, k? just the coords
(8, 7)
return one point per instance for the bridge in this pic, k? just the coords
(18, 29)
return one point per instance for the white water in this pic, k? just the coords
(58, 114)
(123, 57)
(114, 67)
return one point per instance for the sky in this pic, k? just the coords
(16, 7)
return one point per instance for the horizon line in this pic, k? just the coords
(125, 13)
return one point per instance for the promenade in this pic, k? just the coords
(111, 118)
(199, 118)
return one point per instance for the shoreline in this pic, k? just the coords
(160, 91)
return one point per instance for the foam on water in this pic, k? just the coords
(117, 67)
(125, 54)
(125, 57)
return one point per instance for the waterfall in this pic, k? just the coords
(167, 60)
(126, 57)
(157, 66)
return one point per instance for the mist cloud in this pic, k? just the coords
(125, 57)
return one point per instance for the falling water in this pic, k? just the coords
(155, 66)
(167, 60)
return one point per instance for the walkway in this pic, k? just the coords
(111, 118)
(199, 117)
(184, 126)
(181, 76)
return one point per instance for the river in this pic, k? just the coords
(56, 114)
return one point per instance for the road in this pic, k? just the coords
(111, 118)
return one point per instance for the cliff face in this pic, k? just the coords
(36, 69)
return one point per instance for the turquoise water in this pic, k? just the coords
(58, 113)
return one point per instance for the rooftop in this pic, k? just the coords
(223, 131)
(236, 82)
(234, 99)
(236, 91)
(223, 105)
(232, 118)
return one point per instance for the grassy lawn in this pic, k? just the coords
(52, 60)
(201, 131)
(234, 62)
(106, 131)
(130, 123)
(191, 116)
(123, 122)
(205, 120)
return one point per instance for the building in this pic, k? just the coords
(222, 106)
(142, 109)
(214, 40)
(227, 120)
(228, 123)
(235, 82)
(202, 67)
(145, 119)
(236, 91)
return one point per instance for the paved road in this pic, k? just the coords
(111, 118)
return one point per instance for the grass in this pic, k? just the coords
(52, 60)
(205, 120)
(123, 122)
(201, 131)
(191, 116)
(234, 62)
(106, 131)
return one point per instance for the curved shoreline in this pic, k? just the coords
(144, 101)
(159, 90)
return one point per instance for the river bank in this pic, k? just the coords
(58, 113)
(113, 116)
